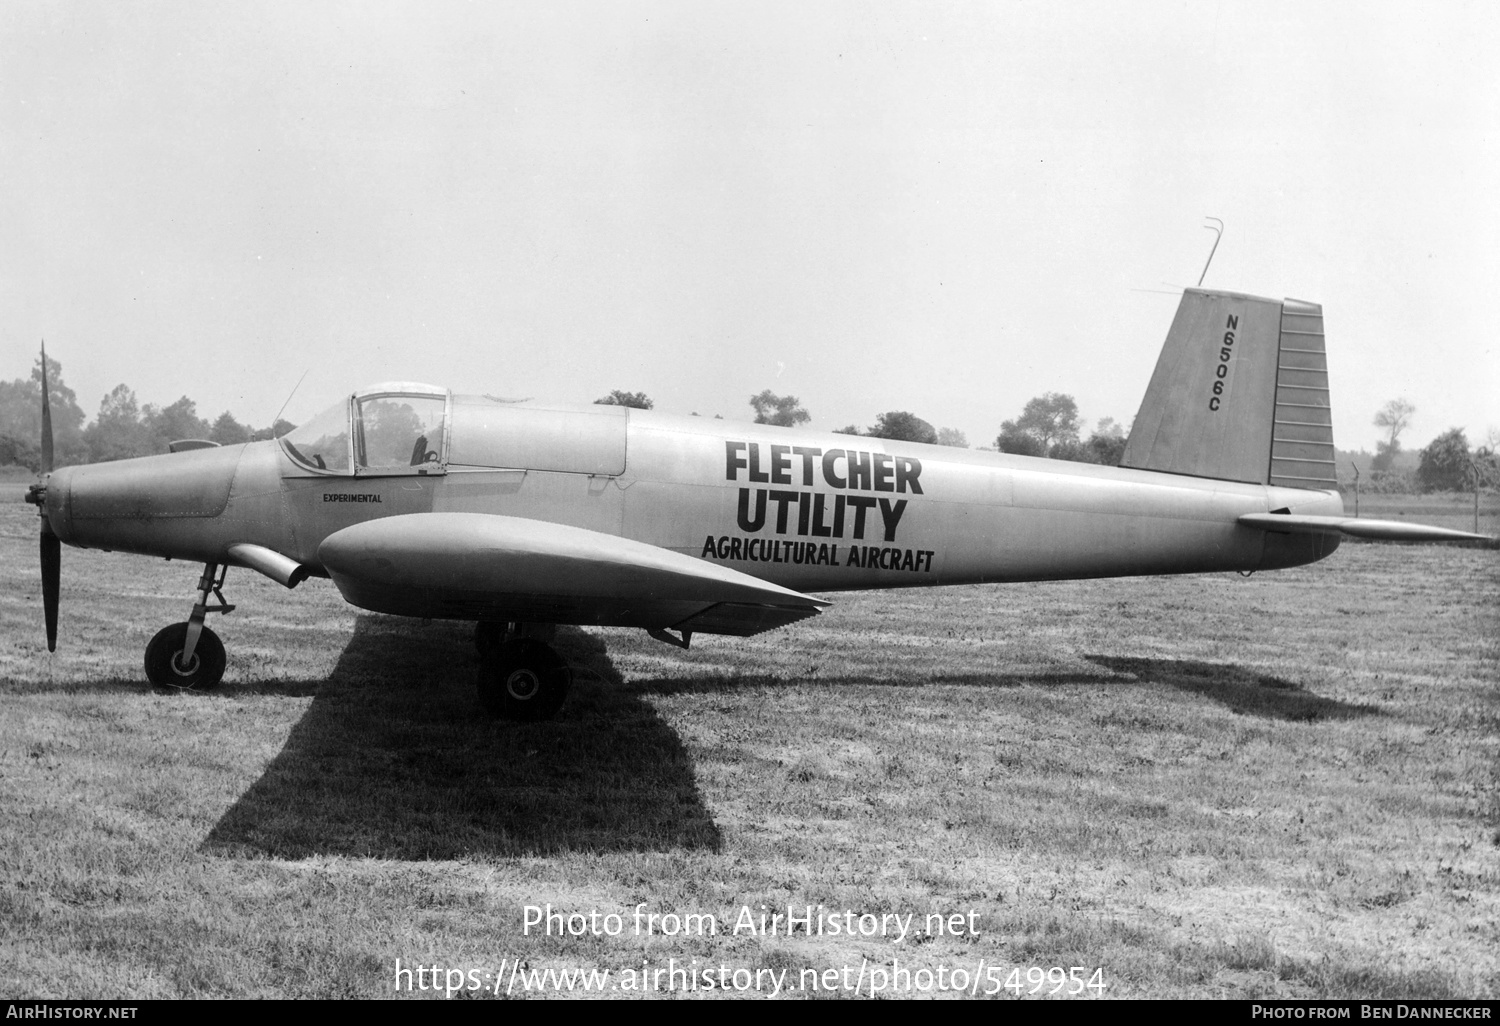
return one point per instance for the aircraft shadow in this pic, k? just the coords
(1241, 690)
(725, 683)
(393, 760)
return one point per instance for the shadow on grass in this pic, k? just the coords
(394, 760)
(725, 683)
(1243, 691)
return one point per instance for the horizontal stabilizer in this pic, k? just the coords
(1378, 530)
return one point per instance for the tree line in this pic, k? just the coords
(1048, 426)
(1447, 463)
(123, 427)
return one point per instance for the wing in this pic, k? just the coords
(475, 566)
(1380, 530)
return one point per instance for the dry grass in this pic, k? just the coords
(1207, 786)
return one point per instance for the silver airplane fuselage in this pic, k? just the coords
(807, 511)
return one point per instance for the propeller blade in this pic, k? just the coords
(51, 565)
(46, 417)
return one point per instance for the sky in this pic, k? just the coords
(933, 207)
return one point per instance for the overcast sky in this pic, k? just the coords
(941, 208)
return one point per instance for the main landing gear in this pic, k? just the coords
(189, 656)
(521, 677)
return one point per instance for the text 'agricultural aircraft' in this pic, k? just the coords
(419, 501)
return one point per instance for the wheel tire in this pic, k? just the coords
(524, 680)
(163, 670)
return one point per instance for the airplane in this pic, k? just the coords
(517, 514)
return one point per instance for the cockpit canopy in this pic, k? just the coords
(392, 428)
(405, 428)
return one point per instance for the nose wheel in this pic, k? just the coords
(188, 656)
(200, 671)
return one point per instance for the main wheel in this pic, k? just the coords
(523, 680)
(165, 669)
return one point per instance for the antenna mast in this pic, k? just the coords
(1218, 234)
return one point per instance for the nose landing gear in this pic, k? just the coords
(188, 656)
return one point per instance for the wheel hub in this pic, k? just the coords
(523, 684)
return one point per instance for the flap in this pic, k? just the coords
(742, 620)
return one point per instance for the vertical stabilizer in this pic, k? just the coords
(1240, 393)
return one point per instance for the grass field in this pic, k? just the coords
(1206, 786)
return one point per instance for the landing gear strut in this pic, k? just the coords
(520, 677)
(188, 655)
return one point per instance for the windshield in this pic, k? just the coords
(322, 442)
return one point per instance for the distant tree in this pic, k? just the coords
(21, 413)
(1487, 460)
(1394, 417)
(953, 437)
(17, 452)
(1444, 463)
(1109, 428)
(1105, 446)
(20, 409)
(903, 426)
(1049, 426)
(276, 430)
(119, 407)
(1073, 451)
(847, 429)
(635, 400)
(1047, 420)
(171, 423)
(228, 431)
(1020, 443)
(781, 410)
(1105, 449)
(117, 432)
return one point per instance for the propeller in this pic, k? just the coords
(51, 547)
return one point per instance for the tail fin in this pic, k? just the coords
(1240, 393)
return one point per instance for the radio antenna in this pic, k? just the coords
(277, 419)
(1218, 234)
